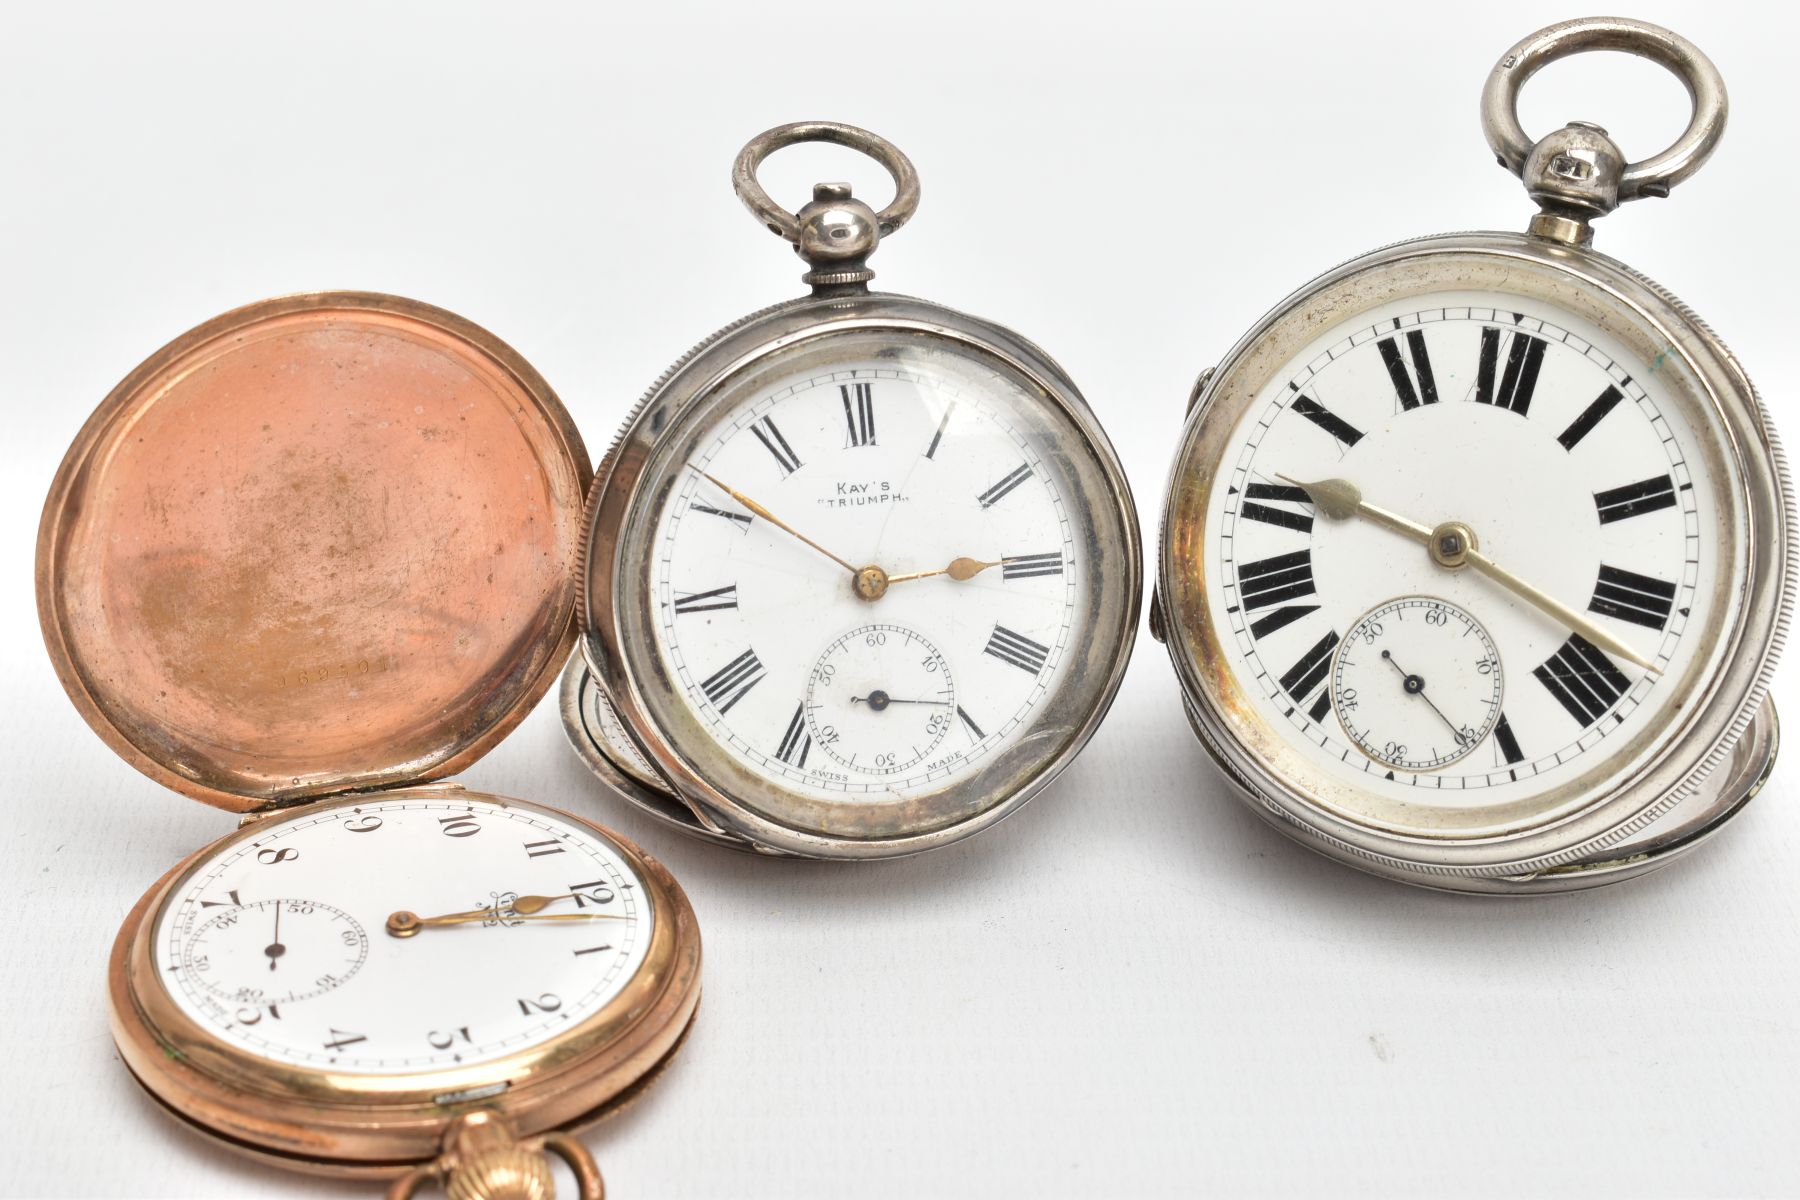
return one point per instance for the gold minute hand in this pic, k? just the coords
(774, 520)
(1339, 500)
(405, 924)
(1587, 628)
(509, 918)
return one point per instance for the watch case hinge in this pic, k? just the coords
(285, 804)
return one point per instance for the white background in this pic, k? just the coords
(1133, 987)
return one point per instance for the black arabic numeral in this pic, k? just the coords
(597, 892)
(341, 1038)
(459, 827)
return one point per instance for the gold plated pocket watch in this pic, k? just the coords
(304, 563)
(1477, 552)
(862, 572)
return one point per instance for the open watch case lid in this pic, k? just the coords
(321, 543)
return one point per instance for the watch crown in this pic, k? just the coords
(837, 234)
(1574, 176)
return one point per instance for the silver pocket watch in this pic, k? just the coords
(1477, 554)
(862, 572)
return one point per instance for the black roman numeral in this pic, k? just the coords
(999, 491)
(1325, 419)
(1308, 675)
(220, 903)
(1507, 742)
(1583, 680)
(732, 681)
(1524, 358)
(1030, 566)
(1282, 493)
(1426, 391)
(341, 1038)
(796, 741)
(540, 849)
(1646, 495)
(775, 444)
(859, 412)
(1590, 416)
(967, 720)
(1640, 599)
(693, 602)
(938, 435)
(1281, 618)
(743, 519)
(1015, 649)
(1275, 580)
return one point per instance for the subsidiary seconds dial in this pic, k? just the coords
(880, 699)
(1417, 684)
(274, 951)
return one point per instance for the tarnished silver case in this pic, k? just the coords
(603, 707)
(1708, 769)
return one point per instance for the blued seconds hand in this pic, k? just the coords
(275, 949)
(1415, 686)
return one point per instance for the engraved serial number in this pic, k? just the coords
(310, 675)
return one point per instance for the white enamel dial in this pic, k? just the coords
(1578, 472)
(279, 942)
(1417, 683)
(952, 482)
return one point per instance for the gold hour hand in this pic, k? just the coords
(960, 569)
(526, 905)
(1452, 545)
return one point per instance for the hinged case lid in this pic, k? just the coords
(322, 543)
